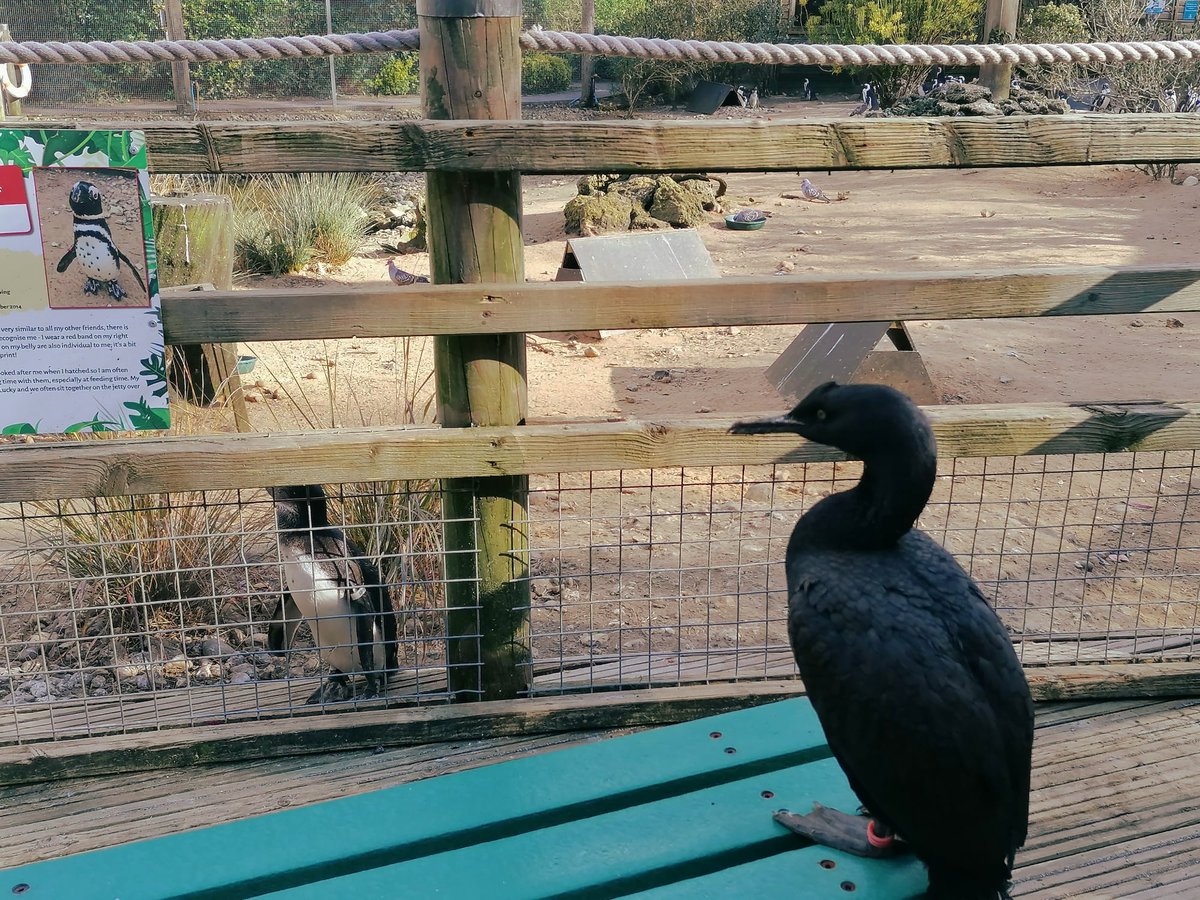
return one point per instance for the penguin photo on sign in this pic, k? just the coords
(98, 257)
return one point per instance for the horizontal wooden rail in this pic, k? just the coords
(212, 744)
(388, 311)
(144, 466)
(665, 146)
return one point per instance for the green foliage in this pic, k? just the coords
(399, 75)
(282, 222)
(13, 152)
(154, 370)
(1054, 23)
(703, 20)
(542, 73)
(1134, 87)
(145, 417)
(895, 22)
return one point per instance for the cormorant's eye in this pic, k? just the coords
(821, 415)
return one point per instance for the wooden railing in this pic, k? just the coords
(474, 213)
(548, 147)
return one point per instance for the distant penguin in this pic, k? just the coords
(810, 92)
(872, 97)
(752, 102)
(93, 245)
(329, 583)
(1170, 103)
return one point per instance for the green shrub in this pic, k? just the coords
(895, 22)
(542, 73)
(399, 75)
(1054, 23)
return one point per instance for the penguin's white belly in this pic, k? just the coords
(324, 605)
(96, 258)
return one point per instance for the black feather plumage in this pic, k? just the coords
(914, 678)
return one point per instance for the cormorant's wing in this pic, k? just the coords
(916, 686)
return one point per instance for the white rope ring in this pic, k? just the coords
(19, 89)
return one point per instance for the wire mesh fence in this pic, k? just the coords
(154, 611)
(244, 87)
(676, 577)
(141, 612)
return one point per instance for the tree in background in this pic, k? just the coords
(895, 22)
(702, 20)
(1134, 87)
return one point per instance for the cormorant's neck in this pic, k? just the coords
(299, 515)
(879, 510)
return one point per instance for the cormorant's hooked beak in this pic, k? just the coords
(773, 425)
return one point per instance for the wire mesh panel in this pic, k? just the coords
(140, 612)
(56, 86)
(675, 576)
(242, 87)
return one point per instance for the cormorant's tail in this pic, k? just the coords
(954, 884)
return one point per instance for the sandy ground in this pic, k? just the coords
(892, 221)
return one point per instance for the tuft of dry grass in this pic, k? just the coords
(136, 553)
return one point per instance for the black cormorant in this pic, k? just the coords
(329, 582)
(914, 678)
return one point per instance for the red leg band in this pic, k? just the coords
(879, 843)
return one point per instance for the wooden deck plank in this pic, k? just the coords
(1114, 801)
(475, 806)
(46, 821)
(1105, 868)
(196, 705)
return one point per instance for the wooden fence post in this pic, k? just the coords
(587, 62)
(999, 15)
(9, 106)
(471, 69)
(181, 77)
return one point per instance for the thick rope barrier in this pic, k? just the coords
(227, 50)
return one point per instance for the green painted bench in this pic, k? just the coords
(677, 812)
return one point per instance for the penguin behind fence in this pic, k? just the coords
(329, 583)
(98, 256)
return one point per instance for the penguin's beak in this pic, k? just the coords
(773, 425)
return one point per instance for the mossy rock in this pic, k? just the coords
(590, 214)
(595, 184)
(643, 221)
(677, 205)
(705, 191)
(962, 94)
(981, 108)
(638, 188)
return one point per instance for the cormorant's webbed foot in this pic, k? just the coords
(840, 831)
